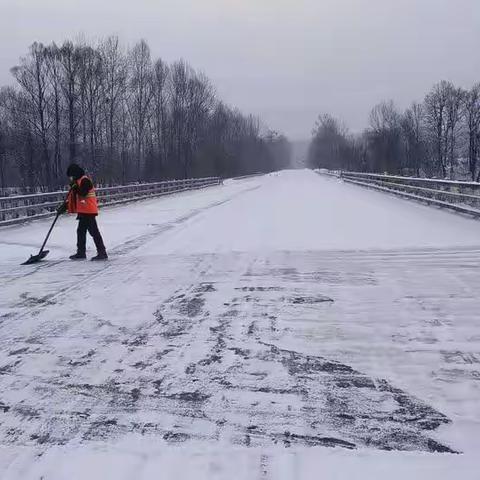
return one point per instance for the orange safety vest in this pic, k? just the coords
(78, 204)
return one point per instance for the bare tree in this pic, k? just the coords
(472, 115)
(436, 116)
(15, 109)
(92, 80)
(141, 93)
(179, 76)
(200, 103)
(32, 76)
(114, 90)
(413, 133)
(160, 114)
(54, 76)
(3, 156)
(454, 115)
(329, 136)
(385, 137)
(72, 90)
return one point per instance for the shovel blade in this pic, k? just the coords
(36, 258)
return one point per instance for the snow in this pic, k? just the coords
(304, 212)
(288, 326)
(120, 224)
(142, 460)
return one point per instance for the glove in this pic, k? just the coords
(62, 208)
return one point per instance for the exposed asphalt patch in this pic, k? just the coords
(136, 341)
(6, 369)
(461, 357)
(179, 313)
(259, 289)
(29, 301)
(176, 437)
(214, 358)
(351, 402)
(313, 441)
(191, 307)
(135, 394)
(205, 288)
(189, 396)
(20, 351)
(41, 439)
(297, 300)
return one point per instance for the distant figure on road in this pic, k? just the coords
(83, 201)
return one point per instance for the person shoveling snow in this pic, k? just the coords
(83, 201)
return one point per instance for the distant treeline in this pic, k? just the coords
(439, 137)
(125, 117)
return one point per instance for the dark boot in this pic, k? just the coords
(100, 256)
(78, 256)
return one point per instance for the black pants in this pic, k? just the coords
(88, 223)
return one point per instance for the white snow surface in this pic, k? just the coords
(288, 326)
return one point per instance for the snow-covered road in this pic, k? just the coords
(280, 327)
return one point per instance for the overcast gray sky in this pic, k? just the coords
(285, 60)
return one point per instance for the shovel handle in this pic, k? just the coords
(51, 228)
(49, 232)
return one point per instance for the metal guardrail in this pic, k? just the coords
(462, 197)
(251, 175)
(22, 208)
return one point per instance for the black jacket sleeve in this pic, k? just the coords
(85, 187)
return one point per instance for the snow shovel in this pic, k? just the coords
(42, 253)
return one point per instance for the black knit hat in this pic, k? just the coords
(75, 171)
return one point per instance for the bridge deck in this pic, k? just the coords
(281, 311)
